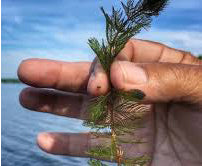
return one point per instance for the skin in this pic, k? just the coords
(171, 80)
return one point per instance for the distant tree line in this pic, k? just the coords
(10, 80)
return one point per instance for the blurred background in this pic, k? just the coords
(59, 29)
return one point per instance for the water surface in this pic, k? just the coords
(20, 128)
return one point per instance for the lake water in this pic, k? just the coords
(20, 128)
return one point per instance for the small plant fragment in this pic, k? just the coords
(119, 110)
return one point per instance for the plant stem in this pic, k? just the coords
(116, 150)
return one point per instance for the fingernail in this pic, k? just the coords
(133, 73)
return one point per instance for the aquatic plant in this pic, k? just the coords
(119, 110)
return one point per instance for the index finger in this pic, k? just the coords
(59, 75)
(142, 51)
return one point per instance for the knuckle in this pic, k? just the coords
(188, 58)
(117, 76)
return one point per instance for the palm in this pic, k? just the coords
(178, 135)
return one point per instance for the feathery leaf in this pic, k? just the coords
(120, 110)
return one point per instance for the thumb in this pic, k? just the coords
(160, 82)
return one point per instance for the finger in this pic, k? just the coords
(55, 74)
(138, 51)
(98, 83)
(80, 144)
(73, 144)
(55, 102)
(142, 51)
(161, 82)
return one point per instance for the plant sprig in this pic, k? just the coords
(108, 110)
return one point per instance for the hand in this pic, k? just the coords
(171, 80)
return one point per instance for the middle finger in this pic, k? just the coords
(55, 102)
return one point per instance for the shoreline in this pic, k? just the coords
(10, 80)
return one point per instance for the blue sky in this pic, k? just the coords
(59, 29)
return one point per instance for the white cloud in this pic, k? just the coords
(80, 34)
(65, 55)
(185, 40)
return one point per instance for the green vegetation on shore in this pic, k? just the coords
(10, 80)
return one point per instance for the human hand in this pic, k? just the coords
(172, 85)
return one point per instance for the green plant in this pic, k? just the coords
(111, 110)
